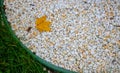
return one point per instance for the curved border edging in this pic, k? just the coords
(35, 57)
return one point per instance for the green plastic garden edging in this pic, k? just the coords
(40, 60)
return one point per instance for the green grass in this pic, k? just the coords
(13, 58)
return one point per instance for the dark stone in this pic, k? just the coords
(85, 2)
(113, 61)
(32, 5)
(29, 28)
(111, 18)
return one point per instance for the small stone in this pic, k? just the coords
(32, 5)
(118, 42)
(113, 61)
(118, 7)
(111, 18)
(28, 29)
(85, 2)
(4, 7)
(44, 69)
(84, 56)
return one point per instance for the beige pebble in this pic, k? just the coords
(83, 12)
(118, 42)
(118, 7)
(84, 56)
(11, 0)
(110, 14)
(15, 27)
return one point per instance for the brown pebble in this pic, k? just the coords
(117, 25)
(52, 15)
(4, 7)
(29, 28)
(111, 14)
(111, 18)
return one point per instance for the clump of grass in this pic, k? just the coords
(14, 59)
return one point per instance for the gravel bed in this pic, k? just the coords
(85, 34)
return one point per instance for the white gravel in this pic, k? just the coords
(85, 34)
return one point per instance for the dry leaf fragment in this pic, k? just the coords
(43, 25)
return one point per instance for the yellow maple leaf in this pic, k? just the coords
(43, 25)
(40, 20)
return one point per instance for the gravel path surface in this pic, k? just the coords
(85, 34)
